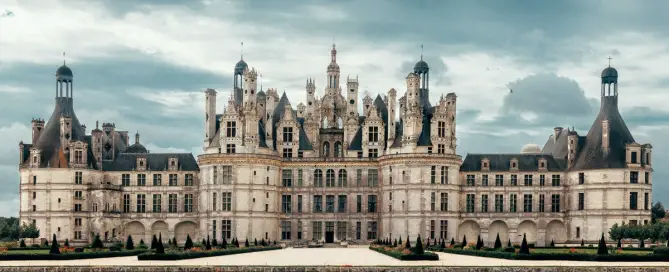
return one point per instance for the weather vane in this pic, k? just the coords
(609, 60)
(63, 58)
(421, 52)
(242, 52)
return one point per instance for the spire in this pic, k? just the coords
(609, 61)
(242, 51)
(333, 53)
(260, 81)
(137, 137)
(421, 52)
(63, 58)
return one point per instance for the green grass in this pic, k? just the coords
(34, 251)
(586, 251)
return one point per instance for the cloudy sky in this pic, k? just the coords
(144, 64)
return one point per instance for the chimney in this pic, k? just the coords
(38, 125)
(556, 132)
(572, 147)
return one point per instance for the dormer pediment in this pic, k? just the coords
(543, 164)
(513, 164)
(173, 164)
(485, 164)
(141, 163)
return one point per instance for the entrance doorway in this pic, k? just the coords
(329, 232)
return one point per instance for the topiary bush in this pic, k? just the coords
(464, 241)
(601, 248)
(189, 242)
(129, 244)
(418, 249)
(54, 246)
(524, 249)
(498, 242)
(22, 244)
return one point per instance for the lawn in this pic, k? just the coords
(33, 251)
(586, 251)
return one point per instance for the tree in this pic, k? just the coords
(189, 242)
(400, 241)
(408, 245)
(552, 243)
(154, 242)
(224, 243)
(427, 245)
(207, 245)
(601, 248)
(214, 243)
(418, 249)
(479, 242)
(443, 243)
(657, 212)
(29, 231)
(524, 249)
(616, 233)
(255, 241)
(236, 242)
(509, 243)
(174, 241)
(464, 241)
(97, 243)
(141, 243)
(23, 243)
(129, 245)
(54, 246)
(498, 242)
(246, 242)
(204, 242)
(395, 243)
(160, 248)
(67, 242)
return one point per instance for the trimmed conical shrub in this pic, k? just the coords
(224, 243)
(498, 242)
(207, 244)
(408, 245)
(400, 241)
(214, 243)
(601, 248)
(246, 242)
(129, 245)
(189, 242)
(236, 243)
(395, 243)
(67, 242)
(479, 242)
(154, 242)
(141, 243)
(427, 244)
(464, 241)
(524, 249)
(255, 242)
(443, 244)
(418, 249)
(160, 248)
(509, 243)
(97, 243)
(23, 243)
(582, 242)
(54, 246)
(452, 242)
(552, 243)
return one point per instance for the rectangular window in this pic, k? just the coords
(371, 230)
(126, 203)
(318, 178)
(471, 180)
(646, 177)
(287, 152)
(578, 232)
(341, 203)
(318, 203)
(230, 148)
(285, 229)
(514, 180)
(358, 230)
(441, 148)
(287, 178)
(528, 180)
(373, 135)
(433, 226)
(226, 199)
(581, 201)
(226, 174)
(141, 179)
(633, 200)
(157, 203)
(646, 201)
(287, 134)
(444, 175)
(555, 180)
(513, 203)
(300, 181)
(358, 205)
(634, 177)
(188, 180)
(499, 180)
(78, 178)
(470, 203)
(484, 180)
(188, 203)
(441, 129)
(542, 180)
(372, 177)
(371, 203)
(499, 203)
(213, 201)
(226, 228)
(542, 203)
(581, 178)
(77, 208)
(373, 153)
(214, 174)
(433, 201)
(634, 158)
(433, 175)
(172, 203)
(286, 201)
(342, 226)
(484, 203)
(299, 204)
(444, 202)
(317, 230)
(231, 129)
(125, 179)
(527, 203)
(443, 229)
(555, 203)
(157, 179)
(329, 203)
(358, 177)
(173, 179)
(141, 203)
(299, 230)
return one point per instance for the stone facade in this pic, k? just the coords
(324, 172)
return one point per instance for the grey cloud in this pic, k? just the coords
(547, 94)
(438, 70)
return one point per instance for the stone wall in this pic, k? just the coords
(332, 269)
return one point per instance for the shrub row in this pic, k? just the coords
(181, 255)
(427, 256)
(68, 256)
(561, 256)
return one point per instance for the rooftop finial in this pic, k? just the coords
(260, 81)
(421, 52)
(242, 51)
(137, 137)
(609, 61)
(63, 58)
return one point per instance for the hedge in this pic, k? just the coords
(427, 256)
(68, 256)
(561, 256)
(181, 255)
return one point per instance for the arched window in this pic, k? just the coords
(325, 122)
(95, 207)
(330, 178)
(342, 180)
(337, 149)
(318, 178)
(326, 149)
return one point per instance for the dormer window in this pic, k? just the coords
(485, 164)
(441, 129)
(173, 164)
(634, 158)
(514, 164)
(373, 135)
(231, 129)
(287, 134)
(542, 164)
(141, 163)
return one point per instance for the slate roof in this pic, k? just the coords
(502, 162)
(591, 155)
(304, 140)
(154, 161)
(49, 140)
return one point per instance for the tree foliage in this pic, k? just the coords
(657, 212)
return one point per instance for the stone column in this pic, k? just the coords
(541, 237)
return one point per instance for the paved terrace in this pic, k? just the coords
(325, 257)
